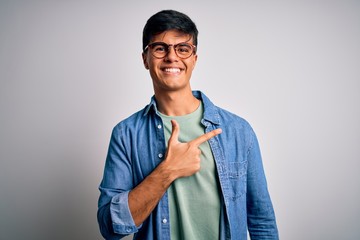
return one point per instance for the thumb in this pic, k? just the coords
(175, 132)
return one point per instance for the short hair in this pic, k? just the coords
(168, 20)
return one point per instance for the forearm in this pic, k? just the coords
(145, 196)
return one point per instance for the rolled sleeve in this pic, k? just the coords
(121, 217)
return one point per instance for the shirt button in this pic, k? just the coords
(160, 155)
(159, 126)
(164, 221)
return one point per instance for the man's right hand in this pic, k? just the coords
(183, 159)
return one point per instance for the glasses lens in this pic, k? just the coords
(159, 50)
(183, 50)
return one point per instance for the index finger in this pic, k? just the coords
(205, 137)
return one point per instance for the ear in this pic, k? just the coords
(195, 60)
(144, 57)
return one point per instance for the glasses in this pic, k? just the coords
(160, 49)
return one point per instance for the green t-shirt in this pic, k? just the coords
(194, 201)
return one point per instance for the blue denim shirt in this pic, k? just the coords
(137, 146)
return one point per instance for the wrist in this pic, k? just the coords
(166, 175)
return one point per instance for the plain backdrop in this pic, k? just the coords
(71, 70)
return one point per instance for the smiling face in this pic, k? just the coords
(170, 73)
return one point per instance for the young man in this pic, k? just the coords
(182, 168)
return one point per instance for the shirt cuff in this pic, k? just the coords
(121, 217)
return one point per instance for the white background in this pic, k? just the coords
(70, 70)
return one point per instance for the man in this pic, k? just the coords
(182, 168)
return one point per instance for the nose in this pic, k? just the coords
(171, 55)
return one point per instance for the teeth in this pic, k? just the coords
(172, 70)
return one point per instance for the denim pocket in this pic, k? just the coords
(237, 178)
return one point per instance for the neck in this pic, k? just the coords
(177, 103)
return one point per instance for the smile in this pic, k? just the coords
(171, 70)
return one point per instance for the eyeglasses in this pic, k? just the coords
(160, 49)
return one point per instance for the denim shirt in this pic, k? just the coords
(137, 146)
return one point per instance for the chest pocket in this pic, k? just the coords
(237, 178)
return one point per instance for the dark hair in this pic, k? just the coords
(168, 20)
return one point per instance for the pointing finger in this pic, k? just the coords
(205, 137)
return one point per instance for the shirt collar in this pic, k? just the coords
(210, 111)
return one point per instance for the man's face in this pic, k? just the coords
(170, 73)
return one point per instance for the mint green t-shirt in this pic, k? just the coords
(194, 201)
